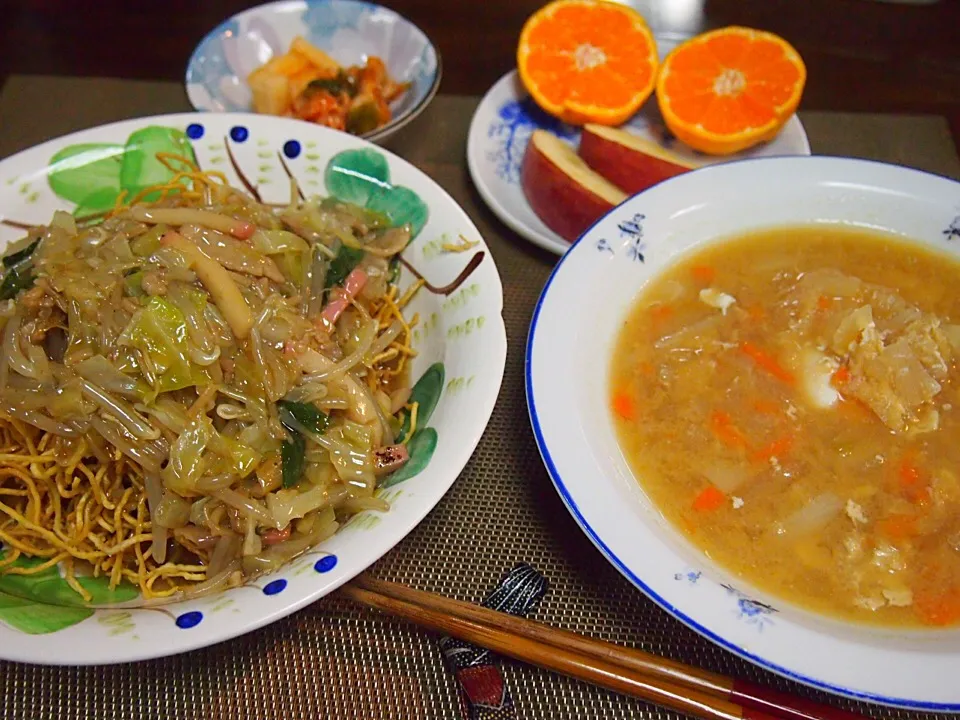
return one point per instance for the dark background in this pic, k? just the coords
(862, 55)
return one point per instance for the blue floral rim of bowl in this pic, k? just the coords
(630, 237)
(349, 30)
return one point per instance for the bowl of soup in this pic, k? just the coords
(745, 385)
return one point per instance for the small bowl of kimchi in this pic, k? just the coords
(353, 66)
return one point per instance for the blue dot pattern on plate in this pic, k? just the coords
(325, 564)
(189, 619)
(274, 586)
(194, 131)
(238, 133)
(291, 148)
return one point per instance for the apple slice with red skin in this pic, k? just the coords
(631, 162)
(566, 194)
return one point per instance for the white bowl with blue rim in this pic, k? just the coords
(460, 343)
(572, 335)
(347, 30)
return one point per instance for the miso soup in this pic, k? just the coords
(789, 401)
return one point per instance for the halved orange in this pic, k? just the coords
(588, 60)
(729, 89)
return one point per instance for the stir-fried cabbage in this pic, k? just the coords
(226, 368)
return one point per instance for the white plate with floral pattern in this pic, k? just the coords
(574, 327)
(507, 116)
(348, 30)
(460, 341)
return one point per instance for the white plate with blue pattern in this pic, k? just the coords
(573, 331)
(507, 116)
(460, 342)
(348, 30)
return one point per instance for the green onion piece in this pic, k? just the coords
(293, 459)
(15, 280)
(20, 255)
(341, 266)
(393, 269)
(307, 414)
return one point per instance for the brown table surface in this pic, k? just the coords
(333, 660)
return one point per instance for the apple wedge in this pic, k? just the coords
(566, 194)
(630, 162)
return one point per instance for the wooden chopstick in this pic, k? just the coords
(664, 682)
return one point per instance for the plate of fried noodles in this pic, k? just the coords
(241, 357)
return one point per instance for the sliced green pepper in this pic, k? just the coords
(362, 118)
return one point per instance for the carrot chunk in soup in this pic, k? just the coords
(624, 406)
(820, 405)
(709, 499)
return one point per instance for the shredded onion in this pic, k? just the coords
(247, 507)
(366, 337)
(308, 392)
(276, 555)
(97, 369)
(147, 459)
(224, 553)
(15, 358)
(191, 216)
(369, 401)
(213, 483)
(211, 585)
(37, 420)
(158, 548)
(385, 338)
(125, 413)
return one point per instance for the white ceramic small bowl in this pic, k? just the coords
(572, 335)
(348, 30)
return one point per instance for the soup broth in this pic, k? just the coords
(789, 401)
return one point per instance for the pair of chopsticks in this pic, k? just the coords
(664, 682)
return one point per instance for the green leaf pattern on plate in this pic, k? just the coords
(141, 167)
(421, 448)
(426, 393)
(88, 175)
(92, 175)
(362, 177)
(424, 441)
(44, 603)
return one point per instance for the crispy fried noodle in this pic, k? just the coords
(197, 387)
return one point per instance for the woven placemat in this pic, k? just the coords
(331, 660)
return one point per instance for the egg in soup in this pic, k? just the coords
(789, 401)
